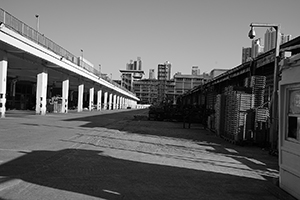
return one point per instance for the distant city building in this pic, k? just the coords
(164, 71)
(270, 39)
(151, 74)
(139, 63)
(195, 71)
(246, 54)
(163, 75)
(285, 38)
(256, 48)
(216, 72)
(132, 72)
(186, 82)
(146, 90)
(153, 91)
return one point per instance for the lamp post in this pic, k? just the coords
(37, 23)
(274, 100)
(82, 58)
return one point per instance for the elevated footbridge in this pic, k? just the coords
(31, 61)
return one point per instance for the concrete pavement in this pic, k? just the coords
(109, 155)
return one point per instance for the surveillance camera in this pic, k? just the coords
(251, 33)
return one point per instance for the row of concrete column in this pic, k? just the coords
(111, 100)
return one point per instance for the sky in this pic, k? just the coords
(205, 33)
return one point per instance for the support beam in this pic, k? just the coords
(41, 92)
(121, 103)
(91, 99)
(115, 102)
(118, 102)
(3, 79)
(80, 98)
(126, 103)
(99, 100)
(110, 101)
(105, 100)
(65, 96)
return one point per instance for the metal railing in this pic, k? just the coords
(23, 29)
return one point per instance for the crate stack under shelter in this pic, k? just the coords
(258, 116)
(219, 114)
(238, 102)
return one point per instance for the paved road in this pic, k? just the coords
(111, 155)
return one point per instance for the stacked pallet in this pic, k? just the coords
(219, 114)
(258, 85)
(262, 114)
(237, 104)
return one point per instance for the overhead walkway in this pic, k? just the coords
(28, 57)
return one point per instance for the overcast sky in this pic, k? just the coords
(205, 33)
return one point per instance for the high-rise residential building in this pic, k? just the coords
(129, 66)
(139, 63)
(256, 48)
(151, 74)
(195, 71)
(163, 75)
(270, 39)
(246, 54)
(164, 71)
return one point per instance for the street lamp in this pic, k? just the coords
(82, 58)
(37, 23)
(274, 100)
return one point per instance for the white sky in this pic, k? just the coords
(206, 33)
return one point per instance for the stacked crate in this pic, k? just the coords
(258, 85)
(219, 114)
(237, 104)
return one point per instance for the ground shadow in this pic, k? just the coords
(94, 174)
(125, 121)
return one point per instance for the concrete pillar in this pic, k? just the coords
(134, 104)
(3, 78)
(115, 102)
(91, 99)
(110, 101)
(65, 96)
(80, 98)
(118, 102)
(129, 103)
(123, 103)
(105, 100)
(41, 92)
(99, 99)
